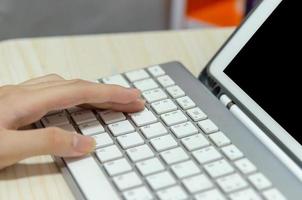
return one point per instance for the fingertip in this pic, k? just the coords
(124, 95)
(83, 144)
(136, 92)
(141, 103)
(136, 106)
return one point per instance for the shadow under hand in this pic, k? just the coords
(27, 170)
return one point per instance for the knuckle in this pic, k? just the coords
(78, 81)
(82, 82)
(54, 75)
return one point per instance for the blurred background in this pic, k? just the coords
(38, 18)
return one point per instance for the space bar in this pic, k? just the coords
(90, 178)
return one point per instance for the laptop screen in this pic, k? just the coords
(267, 68)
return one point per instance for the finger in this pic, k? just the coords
(43, 79)
(18, 145)
(134, 106)
(45, 85)
(82, 92)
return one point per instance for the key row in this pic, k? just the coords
(150, 131)
(167, 105)
(140, 79)
(89, 125)
(193, 184)
(200, 182)
(133, 76)
(204, 155)
(158, 94)
(134, 138)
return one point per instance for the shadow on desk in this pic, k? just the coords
(25, 170)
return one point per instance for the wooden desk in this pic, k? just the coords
(89, 57)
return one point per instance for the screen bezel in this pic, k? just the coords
(224, 57)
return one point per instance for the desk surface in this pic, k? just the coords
(90, 57)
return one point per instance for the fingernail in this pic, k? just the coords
(134, 90)
(83, 144)
(142, 101)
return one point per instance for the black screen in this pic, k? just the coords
(268, 67)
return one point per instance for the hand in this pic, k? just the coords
(23, 104)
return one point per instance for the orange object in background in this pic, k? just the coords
(216, 12)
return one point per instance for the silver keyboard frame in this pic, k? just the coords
(252, 148)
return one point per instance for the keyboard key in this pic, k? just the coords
(232, 152)
(206, 154)
(137, 75)
(174, 155)
(245, 166)
(195, 142)
(116, 80)
(175, 117)
(185, 169)
(156, 70)
(117, 167)
(143, 118)
(247, 194)
(74, 109)
(184, 129)
(126, 181)
(91, 128)
(84, 116)
(273, 194)
(165, 81)
(109, 116)
(197, 183)
(196, 114)
(55, 120)
(160, 180)
(207, 126)
(164, 106)
(138, 193)
(218, 168)
(210, 195)
(120, 128)
(102, 140)
(154, 95)
(139, 153)
(149, 166)
(185, 102)
(88, 176)
(220, 139)
(130, 140)
(172, 193)
(175, 91)
(260, 181)
(164, 142)
(147, 84)
(231, 183)
(134, 113)
(53, 112)
(108, 153)
(154, 130)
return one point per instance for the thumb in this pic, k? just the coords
(18, 145)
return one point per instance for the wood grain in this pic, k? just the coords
(90, 57)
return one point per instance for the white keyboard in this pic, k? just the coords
(171, 150)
